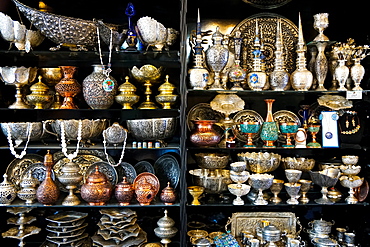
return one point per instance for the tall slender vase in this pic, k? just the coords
(269, 131)
(68, 87)
(342, 73)
(321, 65)
(48, 192)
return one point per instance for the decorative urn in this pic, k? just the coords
(97, 190)
(115, 134)
(166, 97)
(7, 192)
(28, 189)
(165, 229)
(71, 178)
(40, 95)
(168, 195)
(127, 97)
(145, 192)
(124, 192)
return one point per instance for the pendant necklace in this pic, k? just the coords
(108, 83)
(334, 116)
(11, 145)
(122, 153)
(73, 155)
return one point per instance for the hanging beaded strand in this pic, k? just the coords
(122, 153)
(73, 155)
(10, 141)
(108, 84)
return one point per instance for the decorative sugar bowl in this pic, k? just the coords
(40, 95)
(115, 134)
(28, 189)
(124, 192)
(97, 190)
(7, 192)
(127, 96)
(71, 178)
(145, 192)
(165, 229)
(166, 97)
(168, 195)
(271, 234)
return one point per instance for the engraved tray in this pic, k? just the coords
(266, 4)
(66, 217)
(267, 27)
(250, 221)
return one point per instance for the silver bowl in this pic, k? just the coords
(91, 128)
(302, 164)
(19, 131)
(350, 170)
(260, 162)
(214, 182)
(152, 129)
(350, 159)
(212, 160)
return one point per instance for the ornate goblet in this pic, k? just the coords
(19, 77)
(147, 74)
(249, 128)
(313, 129)
(350, 170)
(260, 182)
(326, 178)
(321, 22)
(276, 187)
(305, 187)
(238, 190)
(239, 166)
(351, 182)
(195, 191)
(293, 190)
(293, 175)
(350, 160)
(289, 129)
(239, 177)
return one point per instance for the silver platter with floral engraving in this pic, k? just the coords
(17, 167)
(246, 116)
(106, 169)
(267, 23)
(284, 116)
(267, 4)
(167, 169)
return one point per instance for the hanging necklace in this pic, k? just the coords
(10, 141)
(108, 83)
(334, 116)
(122, 153)
(73, 155)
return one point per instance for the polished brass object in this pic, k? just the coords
(68, 87)
(70, 179)
(276, 187)
(196, 191)
(166, 97)
(147, 74)
(305, 187)
(51, 76)
(19, 77)
(24, 229)
(260, 162)
(127, 97)
(40, 95)
(28, 189)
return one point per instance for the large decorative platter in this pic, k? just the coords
(167, 169)
(105, 168)
(17, 167)
(246, 116)
(284, 116)
(84, 159)
(250, 221)
(203, 111)
(149, 178)
(267, 23)
(144, 166)
(126, 170)
(267, 4)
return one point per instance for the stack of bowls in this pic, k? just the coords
(67, 228)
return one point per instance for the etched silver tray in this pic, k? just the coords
(267, 23)
(167, 169)
(250, 221)
(284, 116)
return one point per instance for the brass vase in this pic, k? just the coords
(68, 87)
(48, 192)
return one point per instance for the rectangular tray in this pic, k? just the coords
(251, 221)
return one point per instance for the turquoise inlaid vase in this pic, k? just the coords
(269, 132)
